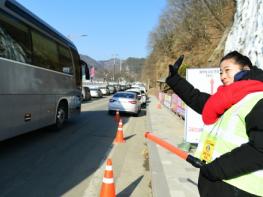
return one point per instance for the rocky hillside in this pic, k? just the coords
(247, 30)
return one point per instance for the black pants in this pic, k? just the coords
(209, 188)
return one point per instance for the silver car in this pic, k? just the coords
(125, 102)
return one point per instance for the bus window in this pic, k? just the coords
(77, 67)
(45, 52)
(65, 60)
(14, 40)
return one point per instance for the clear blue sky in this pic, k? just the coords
(112, 26)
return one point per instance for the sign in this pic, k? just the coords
(167, 101)
(206, 80)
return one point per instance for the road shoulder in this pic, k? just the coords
(170, 174)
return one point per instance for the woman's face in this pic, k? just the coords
(228, 69)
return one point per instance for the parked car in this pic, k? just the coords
(112, 89)
(125, 102)
(105, 90)
(95, 92)
(123, 87)
(118, 87)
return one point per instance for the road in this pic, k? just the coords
(64, 163)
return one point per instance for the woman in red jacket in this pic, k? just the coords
(239, 79)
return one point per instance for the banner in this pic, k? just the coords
(206, 80)
(167, 100)
(161, 97)
(177, 105)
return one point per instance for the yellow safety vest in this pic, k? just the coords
(228, 133)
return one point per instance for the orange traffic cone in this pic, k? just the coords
(119, 136)
(108, 187)
(117, 116)
(158, 106)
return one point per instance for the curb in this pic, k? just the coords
(171, 176)
(159, 182)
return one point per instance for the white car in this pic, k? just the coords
(125, 102)
(112, 89)
(140, 93)
(95, 92)
(140, 86)
(105, 90)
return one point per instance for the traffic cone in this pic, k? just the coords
(108, 187)
(117, 116)
(119, 136)
(158, 106)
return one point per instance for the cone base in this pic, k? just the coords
(118, 141)
(107, 190)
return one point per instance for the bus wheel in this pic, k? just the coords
(61, 116)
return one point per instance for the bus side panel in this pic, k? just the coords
(28, 89)
(21, 114)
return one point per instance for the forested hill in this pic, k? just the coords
(130, 69)
(197, 29)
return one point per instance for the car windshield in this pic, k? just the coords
(124, 95)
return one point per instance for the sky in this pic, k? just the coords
(113, 28)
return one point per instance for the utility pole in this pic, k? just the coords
(114, 62)
(120, 65)
(114, 69)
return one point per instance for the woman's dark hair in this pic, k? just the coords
(239, 58)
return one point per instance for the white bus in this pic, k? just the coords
(39, 73)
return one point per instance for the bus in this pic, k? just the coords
(40, 73)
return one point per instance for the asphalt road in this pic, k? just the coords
(49, 163)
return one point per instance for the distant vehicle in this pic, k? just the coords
(112, 89)
(125, 102)
(39, 73)
(95, 92)
(123, 87)
(105, 90)
(118, 87)
(140, 86)
(140, 93)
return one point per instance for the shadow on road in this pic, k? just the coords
(128, 137)
(45, 163)
(128, 190)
